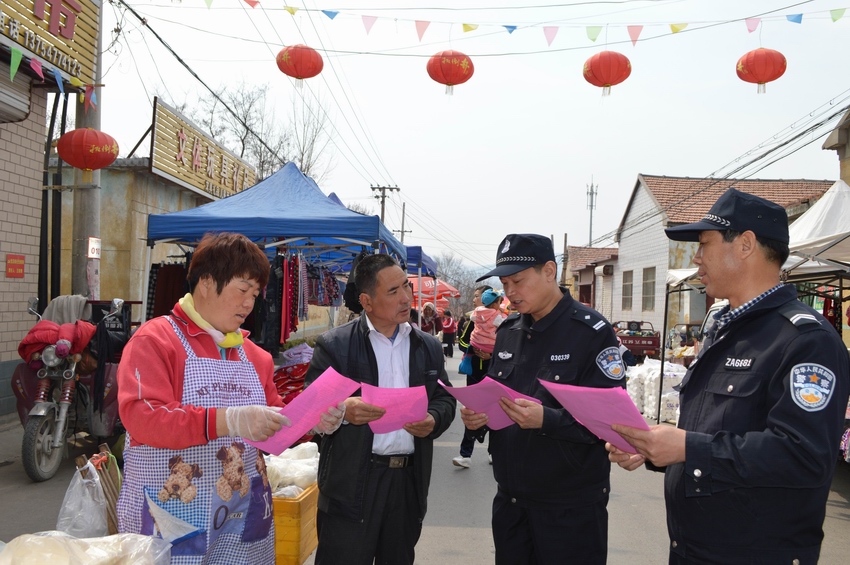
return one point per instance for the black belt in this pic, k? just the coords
(393, 461)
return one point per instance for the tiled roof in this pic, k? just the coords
(688, 199)
(581, 257)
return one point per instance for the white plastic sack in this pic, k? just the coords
(635, 386)
(58, 548)
(83, 512)
(292, 491)
(670, 407)
(297, 465)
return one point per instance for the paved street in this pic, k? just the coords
(457, 528)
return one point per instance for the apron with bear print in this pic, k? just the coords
(211, 501)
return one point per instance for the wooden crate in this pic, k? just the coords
(295, 526)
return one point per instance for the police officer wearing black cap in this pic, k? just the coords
(552, 473)
(748, 469)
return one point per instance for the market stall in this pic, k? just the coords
(309, 237)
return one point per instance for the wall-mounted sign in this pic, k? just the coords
(183, 153)
(93, 248)
(61, 34)
(14, 266)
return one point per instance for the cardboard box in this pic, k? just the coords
(295, 526)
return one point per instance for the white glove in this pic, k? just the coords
(330, 421)
(257, 423)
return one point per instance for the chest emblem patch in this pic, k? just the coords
(505, 355)
(611, 364)
(811, 386)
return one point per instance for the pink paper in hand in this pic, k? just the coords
(304, 411)
(403, 405)
(597, 409)
(484, 398)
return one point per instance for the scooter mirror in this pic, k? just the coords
(117, 305)
(32, 306)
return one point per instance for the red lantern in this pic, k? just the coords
(761, 66)
(87, 149)
(450, 68)
(299, 61)
(606, 69)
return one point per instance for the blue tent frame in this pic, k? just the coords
(286, 209)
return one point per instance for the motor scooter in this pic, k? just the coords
(66, 384)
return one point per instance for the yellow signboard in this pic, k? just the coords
(61, 34)
(184, 154)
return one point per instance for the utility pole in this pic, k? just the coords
(591, 205)
(85, 247)
(383, 196)
(565, 264)
(402, 231)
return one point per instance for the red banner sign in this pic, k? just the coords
(14, 266)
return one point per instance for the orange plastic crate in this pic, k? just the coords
(295, 526)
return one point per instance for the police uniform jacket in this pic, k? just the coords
(763, 406)
(345, 454)
(561, 462)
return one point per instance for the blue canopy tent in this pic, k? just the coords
(287, 209)
(420, 263)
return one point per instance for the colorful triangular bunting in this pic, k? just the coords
(510, 29)
(837, 14)
(290, 9)
(368, 22)
(76, 82)
(330, 13)
(421, 26)
(208, 3)
(550, 32)
(676, 28)
(15, 63)
(752, 24)
(593, 32)
(795, 18)
(59, 82)
(252, 3)
(634, 33)
(35, 64)
(469, 27)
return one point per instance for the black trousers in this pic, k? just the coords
(534, 533)
(389, 530)
(479, 371)
(448, 344)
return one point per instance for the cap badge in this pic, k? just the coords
(505, 355)
(506, 246)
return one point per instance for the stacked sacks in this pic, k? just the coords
(293, 470)
(673, 375)
(636, 384)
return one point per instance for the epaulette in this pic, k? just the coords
(594, 321)
(798, 314)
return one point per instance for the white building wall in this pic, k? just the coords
(642, 244)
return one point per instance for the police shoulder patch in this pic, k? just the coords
(811, 386)
(610, 363)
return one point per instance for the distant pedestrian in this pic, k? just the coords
(449, 331)
(487, 317)
(430, 322)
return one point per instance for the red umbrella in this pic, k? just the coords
(444, 289)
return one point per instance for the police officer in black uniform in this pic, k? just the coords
(748, 469)
(552, 473)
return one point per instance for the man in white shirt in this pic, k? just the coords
(374, 487)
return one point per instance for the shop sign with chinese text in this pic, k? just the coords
(183, 153)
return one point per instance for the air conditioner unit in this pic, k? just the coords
(604, 271)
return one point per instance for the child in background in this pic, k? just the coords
(487, 318)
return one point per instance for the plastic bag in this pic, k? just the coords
(465, 366)
(83, 512)
(58, 548)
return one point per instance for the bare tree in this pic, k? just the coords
(360, 208)
(251, 130)
(309, 138)
(451, 269)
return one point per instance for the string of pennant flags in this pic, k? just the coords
(549, 31)
(88, 97)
